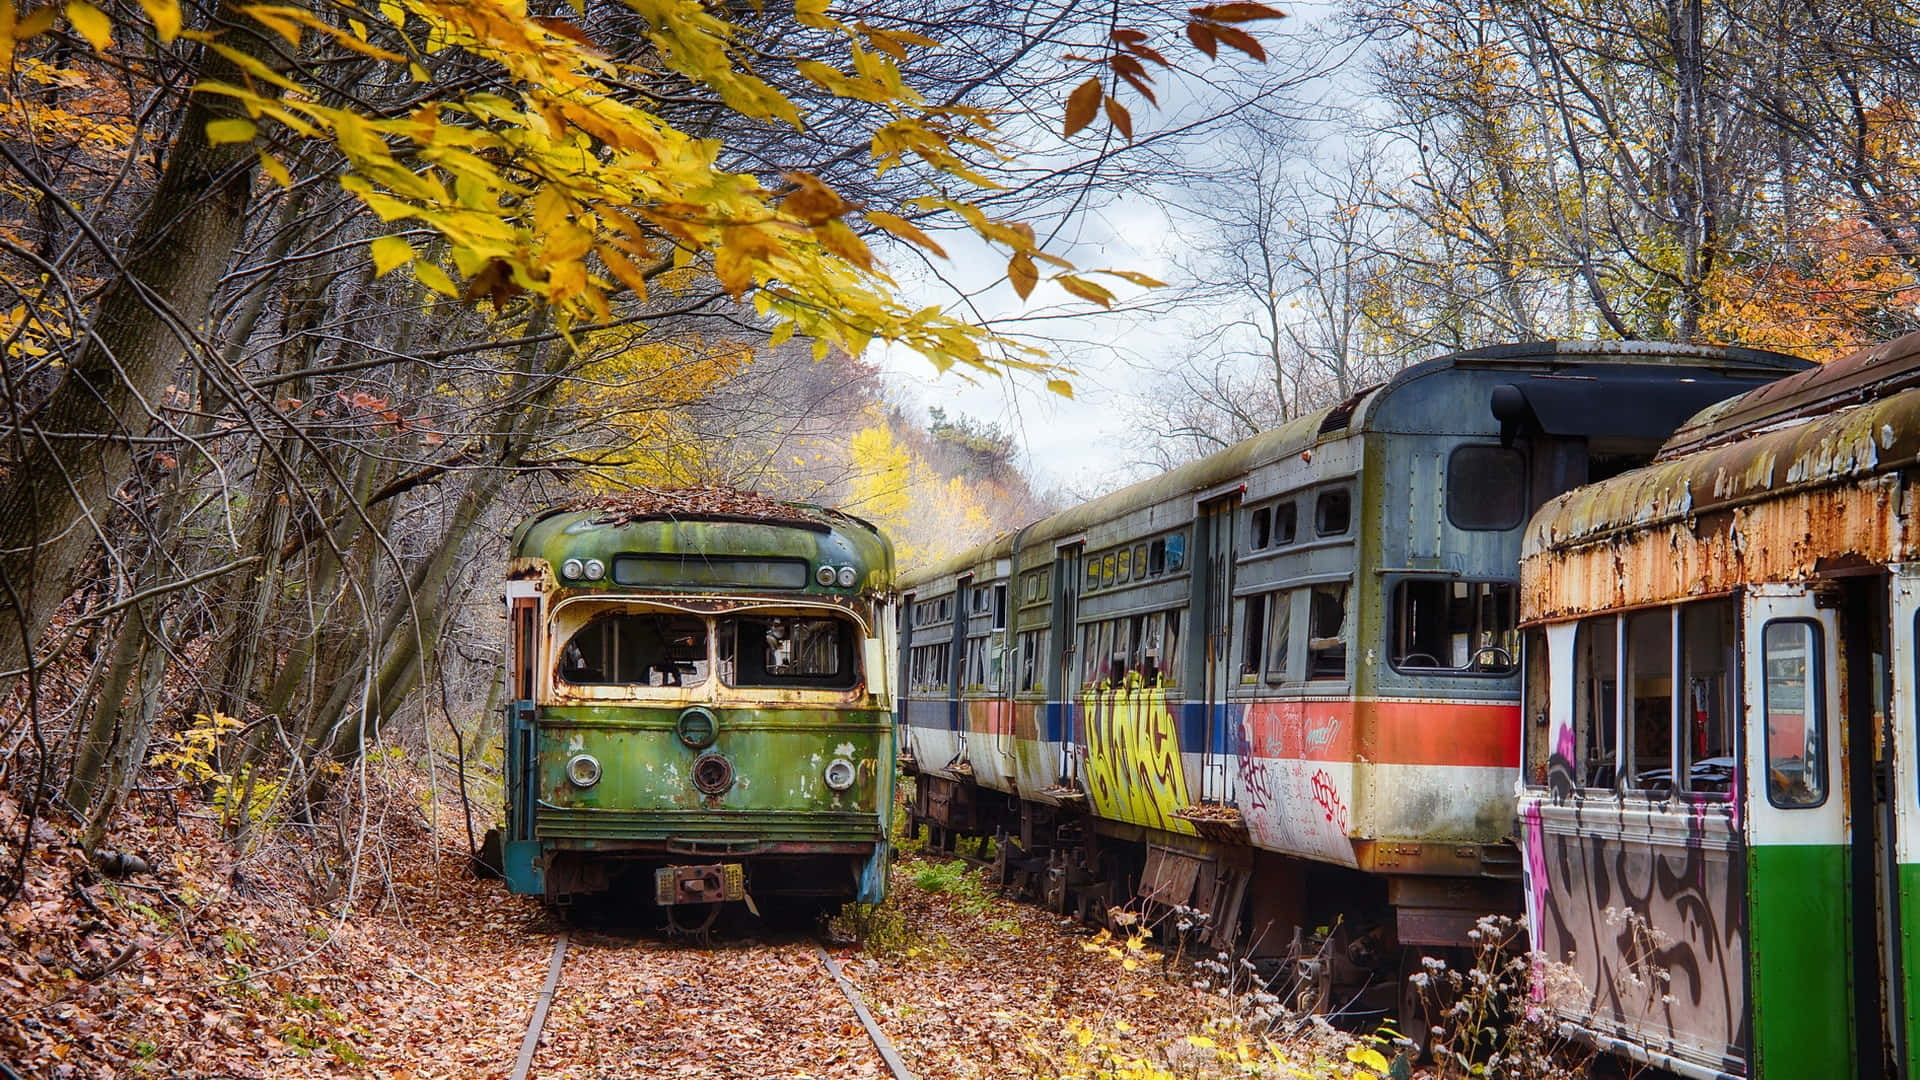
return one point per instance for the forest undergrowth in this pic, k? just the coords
(359, 945)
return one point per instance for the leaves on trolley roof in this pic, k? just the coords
(674, 503)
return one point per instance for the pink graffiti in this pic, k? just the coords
(1328, 798)
(1256, 780)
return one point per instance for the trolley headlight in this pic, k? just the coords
(824, 575)
(848, 576)
(596, 569)
(583, 770)
(572, 569)
(839, 774)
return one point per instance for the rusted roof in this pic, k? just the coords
(1871, 373)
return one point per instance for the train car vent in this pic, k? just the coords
(1342, 413)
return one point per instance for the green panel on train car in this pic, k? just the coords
(1908, 879)
(778, 760)
(706, 554)
(1802, 991)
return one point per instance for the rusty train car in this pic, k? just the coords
(1278, 689)
(1721, 801)
(699, 703)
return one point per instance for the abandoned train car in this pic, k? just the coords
(1721, 800)
(698, 685)
(1280, 687)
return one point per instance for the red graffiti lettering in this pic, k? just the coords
(1328, 798)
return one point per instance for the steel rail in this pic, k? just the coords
(880, 1041)
(531, 1040)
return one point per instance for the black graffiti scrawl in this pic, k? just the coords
(1639, 909)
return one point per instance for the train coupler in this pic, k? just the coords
(712, 883)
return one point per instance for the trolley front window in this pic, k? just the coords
(643, 649)
(1796, 714)
(778, 651)
(1486, 488)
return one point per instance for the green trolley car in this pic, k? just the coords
(699, 705)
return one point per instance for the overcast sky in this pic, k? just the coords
(1086, 445)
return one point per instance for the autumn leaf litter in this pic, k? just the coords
(257, 964)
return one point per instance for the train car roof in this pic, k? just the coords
(1875, 372)
(1543, 395)
(1850, 419)
(689, 519)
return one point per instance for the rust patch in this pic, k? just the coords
(1790, 538)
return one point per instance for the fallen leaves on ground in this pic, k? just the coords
(374, 953)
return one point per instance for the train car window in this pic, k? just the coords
(1139, 562)
(981, 666)
(1260, 528)
(1033, 657)
(1279, 630)
(524, 648)
(1119, 643)
(1000, 606)
(1093, 648)
(1595, 673)
(788, 651)
(1156, 558)
(1125, 572)
(1486, 487)
(1149, 646)
(1326, 617)
(1650, 700)
(930, 668)
(1333, 512)
(1710, 653)
(1170, 659)
(1796, 714)
(1253, 638)
(1286, 522)
(1176, 553)
(1535, 708)
(1109, 569)
(1440, 624)
(636, 649)
(1093, 574)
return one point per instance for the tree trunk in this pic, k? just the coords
(54, 503)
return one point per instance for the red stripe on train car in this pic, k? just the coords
(1397, 732)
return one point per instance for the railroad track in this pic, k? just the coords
(551, 988)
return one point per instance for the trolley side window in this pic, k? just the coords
(781, 651)
(1326, 618)
(525, 647)
(1279, 634)
(1596, 678)
(1536, 704)
(627, 649)
(1796, 714)
(1650, 701)
(1709, 632)
(1447, 625)
(1253, 641)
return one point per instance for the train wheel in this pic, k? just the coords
(1425, 997)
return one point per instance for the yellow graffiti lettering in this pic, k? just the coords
(1133, 755)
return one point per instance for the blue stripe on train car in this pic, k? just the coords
(927, 713)
(1222, 738)
(1053, 725)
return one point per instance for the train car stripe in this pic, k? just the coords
(1399, 732)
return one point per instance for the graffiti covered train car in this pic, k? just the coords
(699, 702)
(1279, 687)
(1721, 810)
